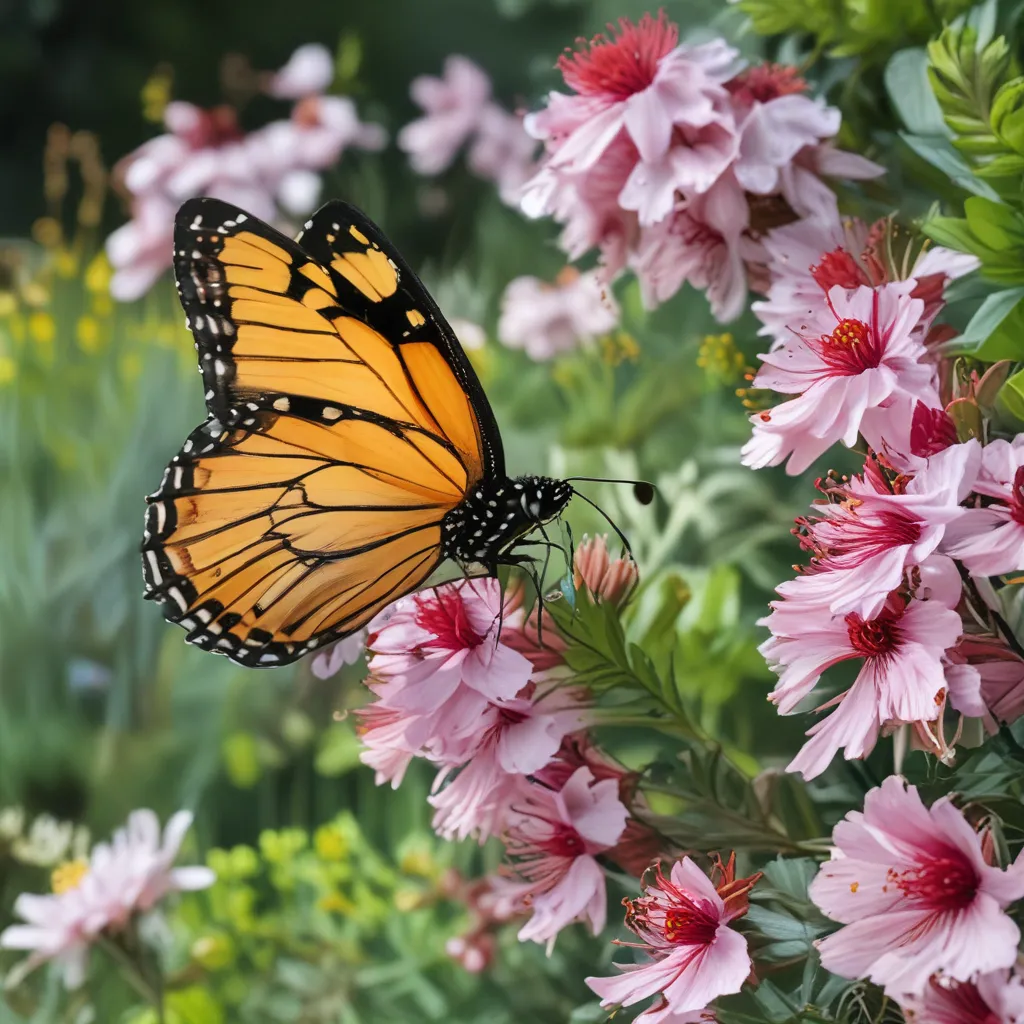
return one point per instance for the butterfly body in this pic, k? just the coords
(499, 513)
(348, 450)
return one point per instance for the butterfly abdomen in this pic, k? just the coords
(497, 513)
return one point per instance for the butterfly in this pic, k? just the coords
(348, 450)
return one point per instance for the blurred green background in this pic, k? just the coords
(102, 705)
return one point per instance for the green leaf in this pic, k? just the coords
(996, 331)
(993, 223)
(1008, 114)
(906, 81)
(1012, 395)
(941, 155)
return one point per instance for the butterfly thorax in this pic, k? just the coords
(497, 513)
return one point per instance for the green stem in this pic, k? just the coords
(135, 976)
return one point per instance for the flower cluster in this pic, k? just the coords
(458, 111)
(101, 896)
(674, 160)
(270, 172)
(464, 678)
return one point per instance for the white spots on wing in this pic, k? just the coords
(219, 368)
(331, 412)
(215, 628)
(178, 598)
(197, 222)
(177, 478)
(154, 567)
(282, 404)
(203, 615)
(268, 659)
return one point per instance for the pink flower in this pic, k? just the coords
(502, 151)
(551, 840)
(993, 998)
(605, 578)
(848, 361)
(330, 660)
(902, 676)
(990, 540)
(813, 255)
(308, 72)
(128, 876)
(683, 924)
(205, 152)
(453, 107)
(868, 532)
(913, 890)
(547, 320)
(702, 243)
(513, 739)
(666, 99)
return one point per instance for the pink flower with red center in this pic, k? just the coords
(695, 957)
(990, 540)
(809, 258)
(931, 431)
(552, 839)
(902, 676)
(547, 320)
(996, 997)
(639, 92)
(915, 894)
(870, 530)
(849, 362)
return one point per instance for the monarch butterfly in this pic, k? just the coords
(348, 449)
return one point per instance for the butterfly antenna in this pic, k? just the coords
(643, 490)
(611, 522)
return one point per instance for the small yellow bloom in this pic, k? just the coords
(156, 94)
(47, 232)
(68, 875)
(131, 366)
(720, 359)
(8, 303)
(42, 328)
(407, 900)
(336, 903)
(98, 273)
(65, 262)
(88, 334)
(8, 370)
(330, 843)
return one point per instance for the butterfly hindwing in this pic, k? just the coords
(314, 494)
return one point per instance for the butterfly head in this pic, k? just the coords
(542, 498)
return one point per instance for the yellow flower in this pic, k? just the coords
(720, 359)
(42, 328)
(8, 370)
(618, 348)
(68, 875)
(336, 903)
(330, 843)
(8, 303)
(156, 94)
(65, 263)
(98, 273)
(88, 334)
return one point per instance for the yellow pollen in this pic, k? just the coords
(68, 875)
(850, 332)
(854, 886)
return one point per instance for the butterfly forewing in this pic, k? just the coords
(313, 495)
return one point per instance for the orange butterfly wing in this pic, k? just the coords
(345, 423)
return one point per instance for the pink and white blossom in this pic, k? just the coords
(915, 895)
(901, 679)
(271, 171)
(866, 535)
(128, 876)
(552, 839)
(849, 362)
(453, 107)
(996, 997)
(547, 320)
(990, 540)
(683, 922)
(348, 651)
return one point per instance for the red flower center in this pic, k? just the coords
(621, 63)
(960, 1002)
(444, 615)
(851, 348)
(874, 638)
(931, 431)
(564, 841)
(688, 926)
(839, 268)
(766, 82)
(1017, 497)
(942, 883)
